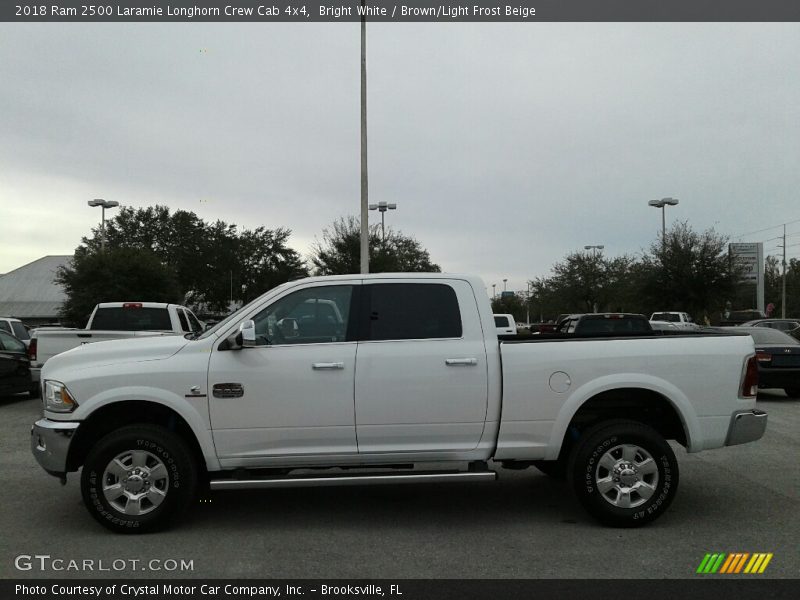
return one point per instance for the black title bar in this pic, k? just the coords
(308, 11)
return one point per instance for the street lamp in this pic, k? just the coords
(494, 285)
(383, 207)
(662, 204)
(104, 204)
(595, 248)
(504, 285)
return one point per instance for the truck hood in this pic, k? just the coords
(114, 352)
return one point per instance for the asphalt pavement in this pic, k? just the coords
(525, 525)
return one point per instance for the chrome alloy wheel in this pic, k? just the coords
(626, 476)
(135, 482)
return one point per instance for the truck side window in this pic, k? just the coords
(311, 316)
(411, 311)
(182, 319)
(4, 326)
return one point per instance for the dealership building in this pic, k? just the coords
(30, 294)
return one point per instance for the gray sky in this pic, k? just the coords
(505, 146)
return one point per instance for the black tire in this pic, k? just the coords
(154, 444)
(793, 392)
(33, 391)
(557, 469)
(605, 442)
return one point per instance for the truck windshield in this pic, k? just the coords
(671, 317)
(20, 330)
(131, 319)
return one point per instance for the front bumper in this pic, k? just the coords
(746, 426)
(50, 442)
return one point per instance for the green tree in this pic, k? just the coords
(511, 305)
(116, 275)
(586, 282)
(212, 261)
(691, 272)
(339, 252)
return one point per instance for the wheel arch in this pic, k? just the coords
(665, 410)
(114, 415)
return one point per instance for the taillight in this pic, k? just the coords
(132, 305)
(763, 357)
(32, 349)
(749, 387)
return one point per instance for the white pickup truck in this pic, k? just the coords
(111, 321)
(681, 320)
(387, 377)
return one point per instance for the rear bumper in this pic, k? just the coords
(50, 442)
(778, 378)
(746, 426)
(36, 374)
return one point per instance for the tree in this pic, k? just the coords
(339, 252)
(213, 262)
(511, 305)
(691, 272)
(116, 275)
(585, 282)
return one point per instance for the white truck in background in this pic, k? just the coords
(112, 321)
(404, 382)
(681, 320)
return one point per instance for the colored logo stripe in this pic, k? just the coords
(736, 562)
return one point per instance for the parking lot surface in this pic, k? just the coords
(525, 525)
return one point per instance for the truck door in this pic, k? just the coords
(291, 394)
(421, 375)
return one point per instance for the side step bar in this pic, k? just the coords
(289, 482)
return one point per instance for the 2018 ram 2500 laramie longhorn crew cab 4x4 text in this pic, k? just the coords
(390, 376)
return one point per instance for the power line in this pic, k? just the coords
(737, 237)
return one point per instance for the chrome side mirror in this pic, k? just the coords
(248, 332)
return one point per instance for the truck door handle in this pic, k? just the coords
(327, 366)
(456, 362)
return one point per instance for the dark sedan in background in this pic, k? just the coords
(778, 356)
(15, 371)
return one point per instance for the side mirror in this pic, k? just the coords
(244, 338)
(248, 332)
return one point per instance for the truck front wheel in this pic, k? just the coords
(624, 473)
(138, 477)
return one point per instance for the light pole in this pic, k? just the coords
(528, 303)
(662, 204)
(494, 285)
(383, 207)
(104, 204)
(364, 179)
(504, 285)
(596, 249)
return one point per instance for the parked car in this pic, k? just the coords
(112, 321)
(15, 374)
(778, 356)
(790, 326)
(505, 325)
(737, 317)
(604, 323)
(16, 328)
(415, 377)
(681, 320)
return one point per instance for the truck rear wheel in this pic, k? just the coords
(137, 478)
(624, 473)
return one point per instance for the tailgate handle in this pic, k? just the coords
(457, 362)
(330, 366)
(84, 335)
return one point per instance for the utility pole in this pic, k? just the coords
(783, 284)
(364, 182)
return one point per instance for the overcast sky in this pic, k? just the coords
(505, 146)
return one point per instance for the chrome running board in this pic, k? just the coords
(289, 482)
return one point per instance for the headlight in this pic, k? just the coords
(57, 397)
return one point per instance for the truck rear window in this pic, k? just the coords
(612, 326)
(132, 319)
(412, 311)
